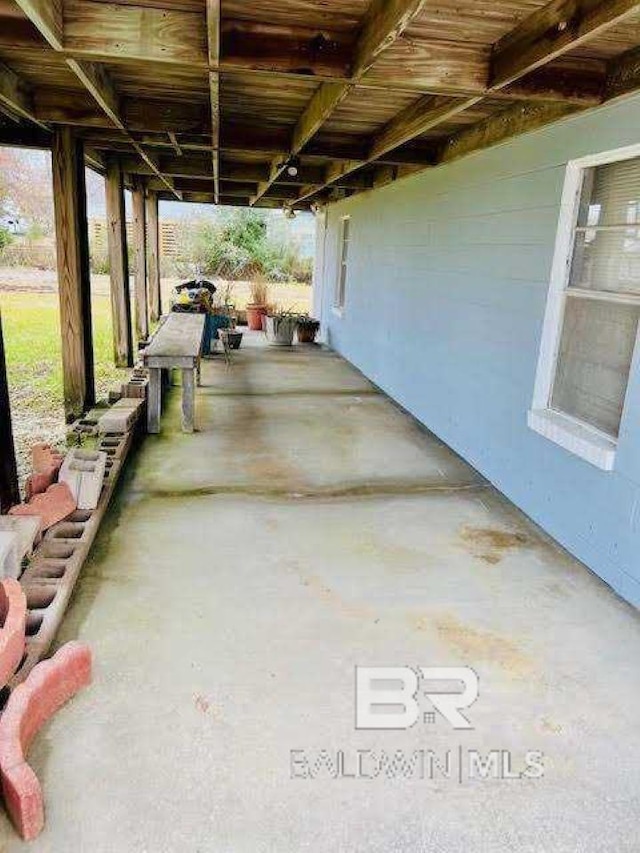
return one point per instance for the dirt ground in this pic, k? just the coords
(29, 304)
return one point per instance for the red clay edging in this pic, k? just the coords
(50, 684)
(13, 615)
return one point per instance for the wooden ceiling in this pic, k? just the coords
(207, 99)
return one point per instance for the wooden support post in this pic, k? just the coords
(74, 285)
(153, 256)
(9, 494)
(140, 250)
(118, 265)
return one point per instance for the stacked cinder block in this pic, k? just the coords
(122, 416)
(83, 472)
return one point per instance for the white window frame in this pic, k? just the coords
(572, 434)
(338, 304)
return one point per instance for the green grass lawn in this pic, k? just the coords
(31, 326)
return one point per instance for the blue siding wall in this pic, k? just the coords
(447, 288)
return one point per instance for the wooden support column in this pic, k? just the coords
(9, 494)
(118, 265)
(153, 256)
(74, 284)
(140, 250)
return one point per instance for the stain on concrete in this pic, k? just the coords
(490, 544)
(477, 645)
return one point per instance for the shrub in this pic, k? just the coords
(238, 247)
(5, 238)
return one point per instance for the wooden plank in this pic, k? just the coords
(140, 254)
(180, 336)
(16, 95)
(504, 125)
(112, 31)
(46, 15)
(214, 82)
(118, 265)
(73, 276)
(551, 31)
(213, 32)
(9, 492)
(153, 256)
(386, 21)
(623, 74)
(99, 84)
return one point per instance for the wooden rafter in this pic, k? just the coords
(16, 95)
(385, 21)
(539, 39)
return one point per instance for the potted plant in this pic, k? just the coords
(307, 329)
(279, 328)
(257, 307)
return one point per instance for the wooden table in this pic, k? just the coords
(176, 344)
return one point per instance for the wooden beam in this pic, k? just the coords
(541, 38)
(385, 22)
(16, 95)
(140, 254)
(9, 492)
(74, 288)
(118, 265)
(173, 139)
(214, 88)
(153, 256)
(98, 83)
(623, 74)
(46, 15)
(551, 31)
(115, 31)
(213, 48)
(517, 119)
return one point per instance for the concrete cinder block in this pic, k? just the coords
(121, 417)
(50, 684)
(83, 472)
(26, 528)
(135, 388)
(10, 562)
(114, 395)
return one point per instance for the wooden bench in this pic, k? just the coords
(176, 344)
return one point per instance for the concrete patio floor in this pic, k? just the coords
(244, 572)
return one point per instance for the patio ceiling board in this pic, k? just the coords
(363, 91)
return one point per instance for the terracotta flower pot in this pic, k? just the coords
(255, 313)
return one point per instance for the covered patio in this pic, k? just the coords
(474, 170)
(246, 570)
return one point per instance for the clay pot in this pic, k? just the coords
(255, 313)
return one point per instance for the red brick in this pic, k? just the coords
(13, 615)
(50, 684)
(44, 457)
(52, 506)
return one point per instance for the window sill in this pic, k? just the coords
(588, 443)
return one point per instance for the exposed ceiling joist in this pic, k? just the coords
(539, 39)
(16, 95)
(551, 31)
(385, 21)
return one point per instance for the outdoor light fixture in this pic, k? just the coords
(291, 166)
(289, 213)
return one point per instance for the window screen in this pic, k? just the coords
(343, 261)
(602, 306)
